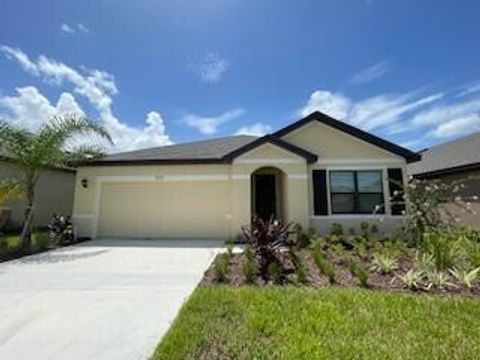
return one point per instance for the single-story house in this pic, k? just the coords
(453, 161)
(54, 194)
(315, 172)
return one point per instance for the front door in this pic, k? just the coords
(265, 199)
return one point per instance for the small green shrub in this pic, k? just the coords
(325, 267)
(300, 271)
(275, 272)
(412, 279)
(220, 268)
(384, 263)
(336, 230)
(41, 241)
(230, 246)
(437, 280)
(443, 247)
(464, 277)
(249, 269)
(360, 272)
(302, 238)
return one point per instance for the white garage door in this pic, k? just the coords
(164, 209)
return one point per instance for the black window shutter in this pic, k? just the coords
(395, 182)
(320, 205)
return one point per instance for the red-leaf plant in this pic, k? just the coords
(266, 238)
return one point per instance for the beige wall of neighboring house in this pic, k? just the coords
(471, 181)
(216, 200)
(54, 194)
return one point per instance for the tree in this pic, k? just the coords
(46, 148)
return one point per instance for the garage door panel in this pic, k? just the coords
(164, 209)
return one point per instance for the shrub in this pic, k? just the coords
(230, 246)
(302, 239)
(266, 238)
(275, 272)
(41, 241)
(60, 230)
(248, 269)
(437, 279)
(220, 268)
(464, 277)
(412, 279)
(325, 267)
(384, 263)
(360, 272)
(336, 230)
(299, 267)
(443, 247)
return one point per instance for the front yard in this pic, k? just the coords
(220, 322)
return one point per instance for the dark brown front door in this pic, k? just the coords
(265, 199)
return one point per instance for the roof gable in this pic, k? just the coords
(351, 130)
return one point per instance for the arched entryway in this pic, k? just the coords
(267, 196)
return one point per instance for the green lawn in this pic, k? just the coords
(10, 243)
(331, 323)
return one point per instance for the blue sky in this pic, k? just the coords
(160, 72)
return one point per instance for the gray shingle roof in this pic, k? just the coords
(214, 149)
(454, 154)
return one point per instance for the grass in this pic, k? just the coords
(10, 242)
(221, 322)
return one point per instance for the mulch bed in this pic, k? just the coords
(343, 276)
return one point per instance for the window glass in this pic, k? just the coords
(368, 202)
(343, 203)
(369, 181)
(342, 181)
(356, 192)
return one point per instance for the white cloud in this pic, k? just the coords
(209, 124)
(333, 104)
(457, 127)
(371, 73)
(97, 86)
(72, 29)
(83, 28)
(30, 108)
(67, 29)
(257, 129)
(210, 68)
(470, 89)
(370, 113)
(426, 116)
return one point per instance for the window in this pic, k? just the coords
(356, 192)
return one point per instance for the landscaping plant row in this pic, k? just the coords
(441, 263)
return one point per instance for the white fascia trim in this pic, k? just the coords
(268, 161)
(360, 161)
(148, 178)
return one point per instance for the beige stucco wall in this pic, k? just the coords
(54, 194)
(337, 150)
(222, 193)
(471, 181)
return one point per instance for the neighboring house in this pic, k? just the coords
(452, 161)
(54, 194)
(315, 172)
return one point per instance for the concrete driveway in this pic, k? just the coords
(109, 299)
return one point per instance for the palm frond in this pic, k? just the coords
(10, 189)
(81, 153)
(60, 128)
(13, 141)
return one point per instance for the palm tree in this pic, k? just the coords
(32, 152)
